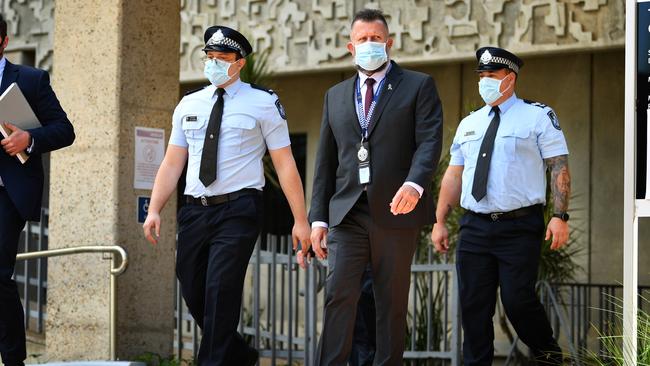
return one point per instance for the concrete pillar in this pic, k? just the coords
(117, 67)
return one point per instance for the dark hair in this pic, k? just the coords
(3, 27)
(370, 15)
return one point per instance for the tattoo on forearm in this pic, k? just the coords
(560, 181)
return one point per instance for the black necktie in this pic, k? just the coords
(208, 171)
(479, 187)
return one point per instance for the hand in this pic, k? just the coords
(152, 223)
(17, 141)
(559, 230)
(440, 237)
(405, 200)
(304, 259)
(301, 235)
(319, 241)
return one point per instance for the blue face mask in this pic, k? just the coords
(370, 55)
(490, 89)
(217, 71)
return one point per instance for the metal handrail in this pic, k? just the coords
(116, 270)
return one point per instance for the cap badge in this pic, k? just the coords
(486, 57)
(216, 38)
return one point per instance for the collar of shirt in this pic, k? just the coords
(503, 107)
(378, 76)
(231, 90)
(3, 62)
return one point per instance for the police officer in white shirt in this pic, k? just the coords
(497, 172)
(222, 131)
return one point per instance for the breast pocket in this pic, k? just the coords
(194, 131)
(470, 146)
(512, 140)
(236, 132)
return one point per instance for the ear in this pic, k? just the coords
(350, 47)
(389, 44)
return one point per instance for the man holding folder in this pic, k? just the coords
(21, 185)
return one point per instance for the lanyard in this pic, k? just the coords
(363, 120)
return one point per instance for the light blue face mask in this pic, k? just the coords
(370, 55)
(217, 71)
(489, 89)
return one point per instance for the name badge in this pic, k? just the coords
(191, 119)
(363, 158)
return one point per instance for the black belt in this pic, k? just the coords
(222, 198)
(520, 212)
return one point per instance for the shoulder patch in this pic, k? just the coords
(536, 104)
(554, 120)
(258, 87)
(281, 110)
(195, 90)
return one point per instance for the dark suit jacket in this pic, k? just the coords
(24, 183)
(405, 136)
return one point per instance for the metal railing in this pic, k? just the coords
(117, 268)
(282, 308)
(579, 313)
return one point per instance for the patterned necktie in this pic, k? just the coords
(479, 187)
(369, 94)
(208, 171)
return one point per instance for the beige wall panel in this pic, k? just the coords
(302, 97)
(117, 68)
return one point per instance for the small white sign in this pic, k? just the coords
(149, 153)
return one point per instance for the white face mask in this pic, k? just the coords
(217, 71)
(490, 89)
(370, 55)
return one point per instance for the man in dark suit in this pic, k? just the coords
(380, 143)
(21, 186)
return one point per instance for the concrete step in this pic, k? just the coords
(91, 363)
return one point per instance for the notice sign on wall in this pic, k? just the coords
(643, 100)
(149, 153)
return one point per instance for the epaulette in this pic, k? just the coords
(195, 90)
(258, 87)
(536, 104)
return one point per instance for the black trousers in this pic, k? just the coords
(12, 325)
(363, 339)
(214, 246)
(503, 254)
(352, 245)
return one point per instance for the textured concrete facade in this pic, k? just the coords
(310, 35)
(113, 72)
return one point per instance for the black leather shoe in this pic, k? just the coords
(252, 357)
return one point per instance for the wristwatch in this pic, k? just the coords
(561, 215)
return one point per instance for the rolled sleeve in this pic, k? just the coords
(275, 130)
(177, 137)
(550, 138)
(456, 155)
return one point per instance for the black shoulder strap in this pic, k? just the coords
(258, 87)
(536, 104)
(195, 90)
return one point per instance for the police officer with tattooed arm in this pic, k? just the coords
(499, 156)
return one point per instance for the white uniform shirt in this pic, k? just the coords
(528, 133)
(251, 122)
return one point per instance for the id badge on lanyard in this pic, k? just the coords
(363, 147)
